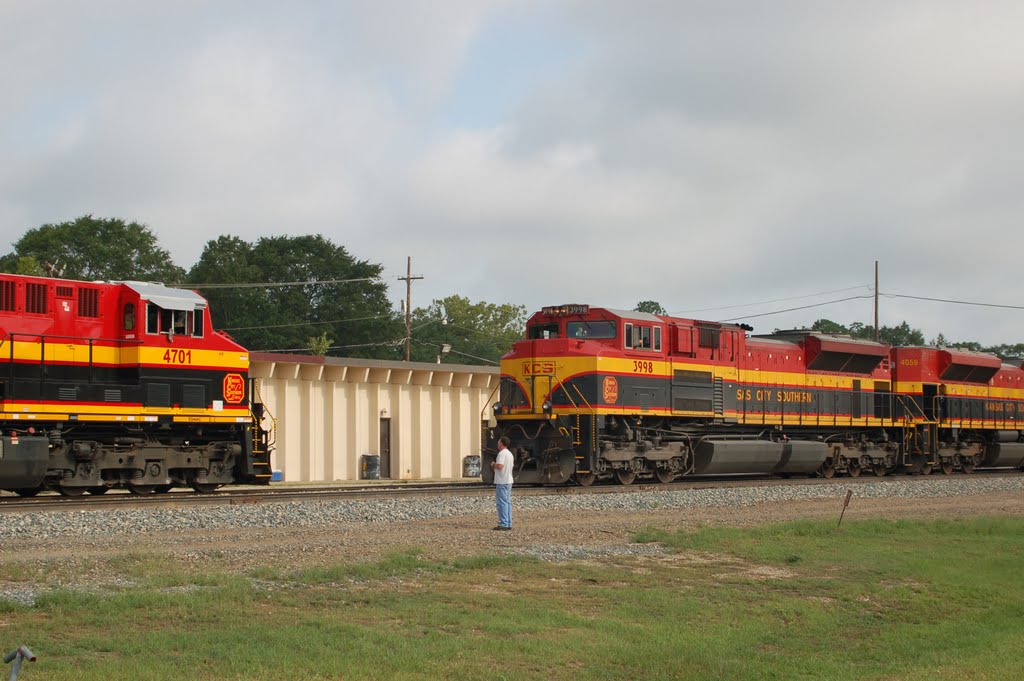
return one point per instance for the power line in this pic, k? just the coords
(954, 302)
(777, 300)
(297, 324)
(394, 343)
(277, 284)
(793, 309)
(454, 351)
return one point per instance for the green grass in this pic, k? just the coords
(873, 599)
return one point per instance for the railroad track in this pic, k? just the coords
(263, 495)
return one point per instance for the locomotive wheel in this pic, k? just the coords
(163, 489)
(664, 475)
(947, 466)
(585, 479)
(879, 469)
(624, 476)
(101, 489)
(28, 491)
(926, 468)
(205, 488)
(71, 491)
(827, 469)
(967, 465)
(142, 489)
(853, 468)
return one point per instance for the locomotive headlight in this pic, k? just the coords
(497, 408)
(546, 407)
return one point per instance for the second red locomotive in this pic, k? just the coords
(594, 393)
(123, 384)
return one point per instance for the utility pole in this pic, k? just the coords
(408, 304)
(876, 301)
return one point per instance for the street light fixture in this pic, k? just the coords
(442, 351)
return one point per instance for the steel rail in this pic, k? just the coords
(304, 494)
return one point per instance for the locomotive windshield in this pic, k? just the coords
(598, 329)
(542, 331)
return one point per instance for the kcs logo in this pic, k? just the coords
(610, 390)
(234, 388)
(535, 368)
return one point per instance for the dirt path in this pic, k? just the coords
(291, 547)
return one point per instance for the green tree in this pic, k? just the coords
(902, 335)
(319, 345)
(92, 248)
(226, 261)
(829, 326)
(650, 307)
(1007, 350)
(298, 289)
(13, 263)
(475, 333)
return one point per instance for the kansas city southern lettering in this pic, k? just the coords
(538, 368)
(768, 395)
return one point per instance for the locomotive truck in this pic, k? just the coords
(122, 385)
(596, 393)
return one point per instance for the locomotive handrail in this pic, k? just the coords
(43, 336)
(490, 397)
(575, 406)
(910, 414)
(272, 440)
(10, 363)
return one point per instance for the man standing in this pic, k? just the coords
(502, 467)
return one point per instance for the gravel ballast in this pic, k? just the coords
(106, 523)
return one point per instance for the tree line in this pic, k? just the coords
(305, 294)
(296, 294)
(903, 335)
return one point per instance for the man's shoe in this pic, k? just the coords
(503, 528)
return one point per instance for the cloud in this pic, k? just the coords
(693, 153)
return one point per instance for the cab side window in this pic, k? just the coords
(152, 318)
(198, 323)
(643, 337)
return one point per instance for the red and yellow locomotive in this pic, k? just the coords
(596, 393)
(122, 384)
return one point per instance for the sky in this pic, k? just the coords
(725, 159)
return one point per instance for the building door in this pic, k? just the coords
(385, 448)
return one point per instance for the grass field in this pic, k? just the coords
(870, 600)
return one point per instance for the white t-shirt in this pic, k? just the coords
(504, 476)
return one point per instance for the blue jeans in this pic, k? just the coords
(503, 494)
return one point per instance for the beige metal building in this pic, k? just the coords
(333, 415)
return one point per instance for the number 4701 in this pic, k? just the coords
(178, 356)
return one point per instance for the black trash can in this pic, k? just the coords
(370, 468)
(471, 466)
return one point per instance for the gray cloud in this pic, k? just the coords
(699, 154)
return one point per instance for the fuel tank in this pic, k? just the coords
(23, 461)
(1004, 455)
(722, 457)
